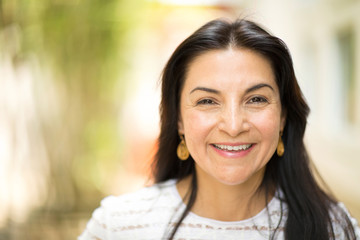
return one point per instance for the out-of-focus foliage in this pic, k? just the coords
(81, 50)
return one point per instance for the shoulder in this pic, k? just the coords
(343, 221)
(133, 214)
(143, 198)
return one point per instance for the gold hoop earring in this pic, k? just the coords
(182, 151)
(280, 147)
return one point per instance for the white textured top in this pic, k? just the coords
(151, 212)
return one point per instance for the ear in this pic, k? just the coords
(180, 126)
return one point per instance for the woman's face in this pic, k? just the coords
(230, 114)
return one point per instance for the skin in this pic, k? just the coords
(230, 99)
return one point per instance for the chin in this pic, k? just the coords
(234, 178)
(232, 181)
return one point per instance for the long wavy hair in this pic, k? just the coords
(309, 207)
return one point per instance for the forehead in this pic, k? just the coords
(232, 68)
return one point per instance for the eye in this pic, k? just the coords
(205, 101)
(258, 99)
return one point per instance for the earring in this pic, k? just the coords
(182, 151)
(280, 147)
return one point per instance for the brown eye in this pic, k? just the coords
(258, 99)
(205, 102)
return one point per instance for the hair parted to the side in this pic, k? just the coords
(309, 207)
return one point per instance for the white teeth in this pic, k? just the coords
(233, 148)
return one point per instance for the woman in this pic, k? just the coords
(231, 162)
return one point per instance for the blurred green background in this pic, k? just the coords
(61, 62)
(79, 97)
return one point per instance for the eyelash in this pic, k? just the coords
(205, 101)
(257, 100)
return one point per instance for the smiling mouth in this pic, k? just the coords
(232, 148)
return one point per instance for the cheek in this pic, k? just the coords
(196, 122)
(198, 127)
(268, 124)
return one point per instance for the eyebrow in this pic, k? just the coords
(258, 86)
(205, 89)
(251, 89)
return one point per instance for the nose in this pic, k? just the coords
(233, 120)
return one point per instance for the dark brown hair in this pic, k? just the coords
(309, 207)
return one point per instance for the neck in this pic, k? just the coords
(223, 202)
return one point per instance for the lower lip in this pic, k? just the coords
(233, 154)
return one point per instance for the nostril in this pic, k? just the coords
(234, 124)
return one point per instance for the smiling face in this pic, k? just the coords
(230, 114)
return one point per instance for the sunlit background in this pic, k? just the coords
(79, 97)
